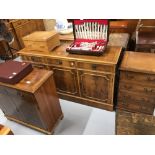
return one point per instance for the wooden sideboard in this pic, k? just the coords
(136, 92)
(33, 101)
(84, 79)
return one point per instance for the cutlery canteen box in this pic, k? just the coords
(43, 41)
(90, 37)
(12, 72)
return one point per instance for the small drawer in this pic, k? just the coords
(40, 66)
(59, 62)
(135, 102)
(136, 88)
(95, 67)
(25, 57)
(37, 59)
(141, 78)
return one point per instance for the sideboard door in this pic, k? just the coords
(66, 80)
(95, 86)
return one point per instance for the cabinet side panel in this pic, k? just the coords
(48, 103)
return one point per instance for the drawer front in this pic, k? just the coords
(40, 46)
(95, 67)
(59, 62)
(40, 66)
(135, 102)
(33, 58)
(146, 90)
(37, 59)
(20, 22)
(138, 77)
(25, 57)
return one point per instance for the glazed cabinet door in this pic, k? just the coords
(29, 107)
(8, 105)
(65, 80)
(96, 86)
(20, 106)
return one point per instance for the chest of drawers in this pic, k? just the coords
(136, 93)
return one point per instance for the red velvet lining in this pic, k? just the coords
(91, 40)
(89, 45)
(99, 21)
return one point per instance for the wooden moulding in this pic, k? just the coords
(34, 127)
(85, 101)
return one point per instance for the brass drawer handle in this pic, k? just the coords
(36, 59)
(129, 76)
(72, 64)
(42, 46)
(19, 23)
(123, 102)
(145, 100)
(39, 66)
(127, 87)
(58, 62)
(150, 79)
(94, 66)
(32, 58)
(126, 96)
(29, 45)
(148, 90)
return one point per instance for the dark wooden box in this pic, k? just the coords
(90, 37)
(13, 71)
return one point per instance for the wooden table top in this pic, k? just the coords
(110, 56)
(32, 81)
(138, 62)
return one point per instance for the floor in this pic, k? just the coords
(78, 120)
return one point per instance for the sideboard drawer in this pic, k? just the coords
(95, 67)
(39, 66)
(25, 57)
(37, 59)
(136, 102)
(60, 62)
(138, 77)
(146, 90)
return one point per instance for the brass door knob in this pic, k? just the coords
(72, 63)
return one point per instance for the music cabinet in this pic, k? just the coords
(33, 101)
